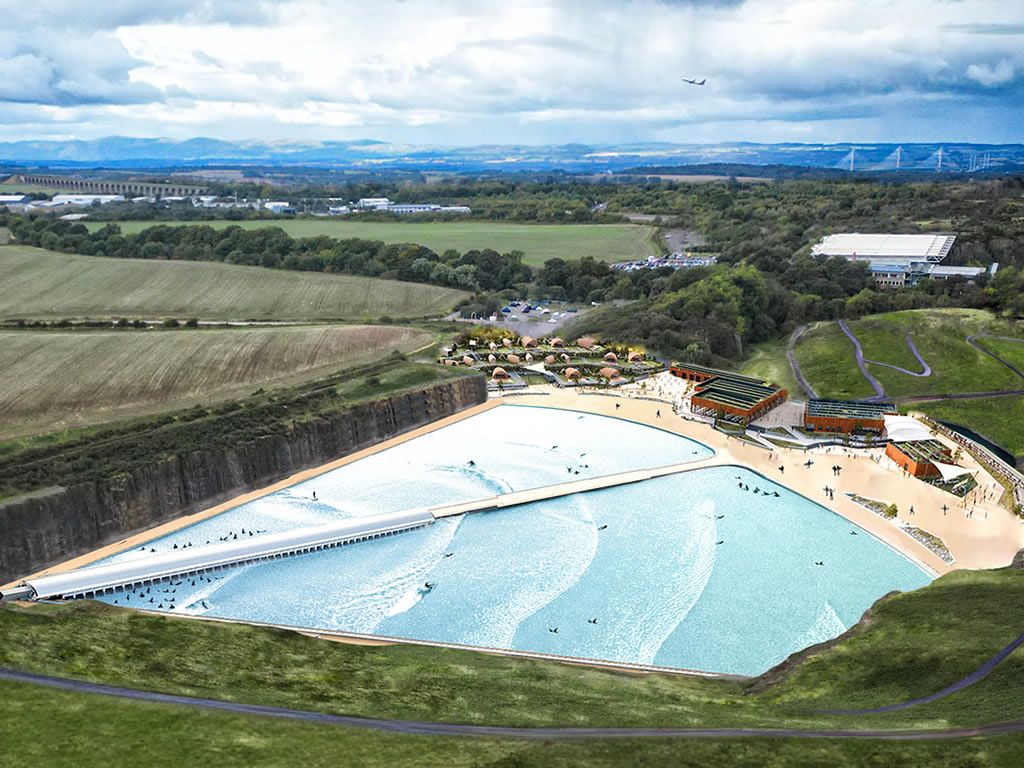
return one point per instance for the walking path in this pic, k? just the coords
(859, 352)
(421, 728)
(794, 364)
(973, 341)
(959, 685)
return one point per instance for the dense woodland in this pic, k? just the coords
(765, 284)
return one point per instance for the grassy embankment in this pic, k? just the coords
(911, 645)
(827, 356)
(41, 728)
(998, 419)
(540, 242)
(768, 360)
(40, 284)
(826, 359)
(56, 380)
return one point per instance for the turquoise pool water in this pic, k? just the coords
(689, 570)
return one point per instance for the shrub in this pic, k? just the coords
(891, 511)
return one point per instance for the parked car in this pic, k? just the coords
(505, 310)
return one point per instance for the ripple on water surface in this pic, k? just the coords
(689, 570)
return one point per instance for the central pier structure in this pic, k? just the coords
(149, 568)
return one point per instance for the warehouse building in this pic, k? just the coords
(899, 260)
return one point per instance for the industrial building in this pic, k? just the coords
(385, 204)
(845, 417)
(726, 394)
(899, 260)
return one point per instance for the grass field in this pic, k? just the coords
(41, 728)
(914, 644)
(1000, 419)
(1011, 351)
(45, 285)
(52, 380)
(940, 337)
(540, 242)
(768, 360)
(827, 357)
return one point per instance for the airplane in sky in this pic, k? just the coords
(695, 82)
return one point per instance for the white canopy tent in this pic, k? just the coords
(901, 429)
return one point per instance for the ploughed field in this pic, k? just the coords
(39, 284)
(53, 380)
(540, 242)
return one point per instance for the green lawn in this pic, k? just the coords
(915, 643)
(540, 242)
(41, 727)
(768, 360)
(1000, 419)
(1011, 351)
(53, 380)
(40, 284)
(827, 360)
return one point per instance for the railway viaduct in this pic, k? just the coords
(113, 187)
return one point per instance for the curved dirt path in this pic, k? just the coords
(973, 341)
(794, 364)
(959, 685)
(859, 353)
(412, 727)
(926, 369)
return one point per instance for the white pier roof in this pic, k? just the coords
(931, 247)
(98, 578)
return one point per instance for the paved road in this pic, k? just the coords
(959, 685)
(794, 364)
(412, 727)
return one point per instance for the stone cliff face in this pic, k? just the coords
(45, 527)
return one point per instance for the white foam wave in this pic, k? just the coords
(387, 593)
(826, 626)
(667, 601)
(570, 543)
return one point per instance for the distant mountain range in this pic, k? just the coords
(116, 151)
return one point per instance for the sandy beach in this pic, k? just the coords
(980, 535)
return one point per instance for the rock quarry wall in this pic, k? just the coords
(42, 528)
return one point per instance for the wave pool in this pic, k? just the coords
(692, 570)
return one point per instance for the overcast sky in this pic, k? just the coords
(519, 71)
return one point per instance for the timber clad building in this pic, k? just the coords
(846, 417)
(918, 457)
(722, 393)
